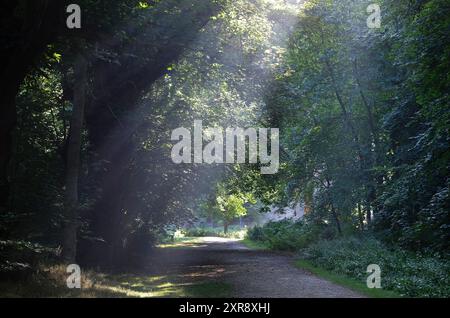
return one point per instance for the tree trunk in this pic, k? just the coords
(336, 219)
(369, 215)
(307, 208)
(225, 228)
(373, 180)
(73, 162)
(333, 209)
(370, 117)
(365, 165)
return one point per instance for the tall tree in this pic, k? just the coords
(73, 150)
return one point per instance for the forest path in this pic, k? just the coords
(218, 263)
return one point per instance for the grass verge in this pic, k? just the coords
(345, 281)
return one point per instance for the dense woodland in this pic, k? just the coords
(87, 115)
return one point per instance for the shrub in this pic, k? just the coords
(233, 232)
(409, 274)
(284, 235)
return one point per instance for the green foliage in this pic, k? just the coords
(415, 200)
(347, 281)
(364, 117)
(409, 274)
(38, 163)
(406, 273)
(152, 66)
(364, 120)
(284, 235)
(226, 203)
(233, 232)
(230, 207)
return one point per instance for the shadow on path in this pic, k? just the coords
(218, 267)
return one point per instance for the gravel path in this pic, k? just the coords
(252, 273)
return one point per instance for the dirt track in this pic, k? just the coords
(251, 273)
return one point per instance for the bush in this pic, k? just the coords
(284, 235)
(256, 234)
(409, 274)
(233, 232)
